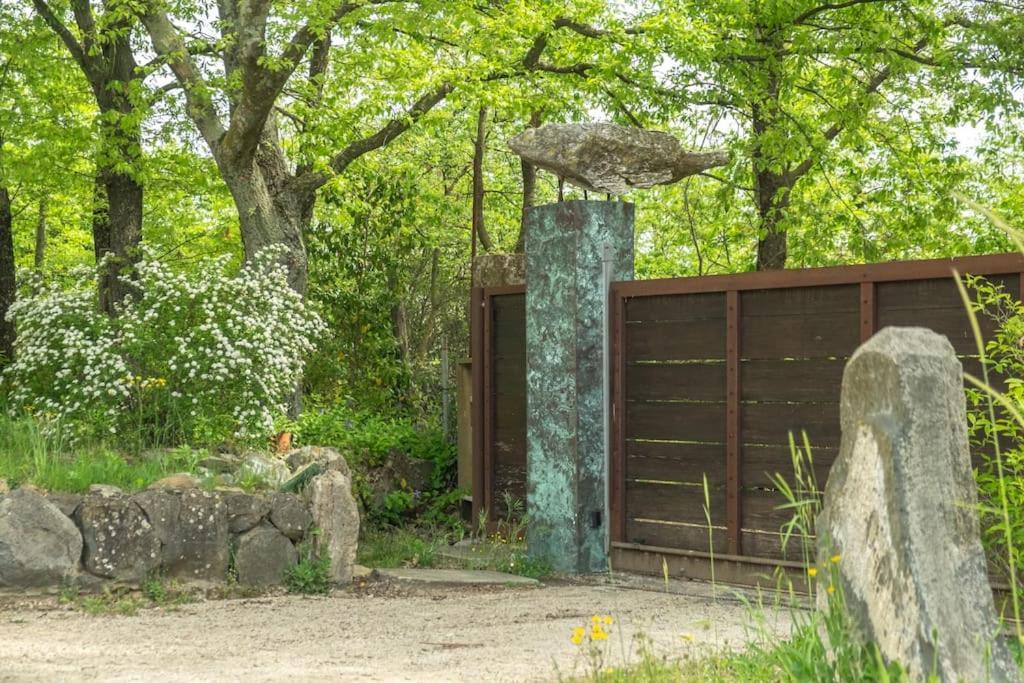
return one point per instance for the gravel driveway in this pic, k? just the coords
(380, 632)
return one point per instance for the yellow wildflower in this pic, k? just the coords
(831, 589)
(598, 633)
(835, 559)
(812, 572)
(595, 619)
(608, 621)
(687, 637)
(577, 635)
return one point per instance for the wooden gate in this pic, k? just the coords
(711, 375)
(498, 322)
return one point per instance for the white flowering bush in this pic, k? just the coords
(194, 357)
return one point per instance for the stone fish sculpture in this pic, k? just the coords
(605, 157)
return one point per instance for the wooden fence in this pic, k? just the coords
(710, 376)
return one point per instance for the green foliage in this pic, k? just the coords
(311, 574)
(399, 547)
(369, 437)
(31, 456)
(1000, 440)
(203, 357)
(367, 440)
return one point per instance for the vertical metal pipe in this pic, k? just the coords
(606, 387)
(444, 386)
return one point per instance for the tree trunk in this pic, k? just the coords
(478, 181)
(529, 190)
(117, 234)
(773, 192)
(7, 282)
(40, 250)
(271, 213)
(771, 185)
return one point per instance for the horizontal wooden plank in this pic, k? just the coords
(679, 307)
(771, 423)
(798, 335)
(806, 301)
(762, 510)
(673, 503)
(761, 463)
(814, 380)
(770, 545)
(954, 323)
(510, 376)
(510, 443)
(678, 462)
(678, 536)
(671, 381)
(817, 277)
(702, 422)
(667, 341)
(509, 306)
(935, 293)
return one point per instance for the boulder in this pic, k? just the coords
(336, 517)
(327, 458)
(39, 545)
(192, 526)
(65, 502)
(899, 515)
(105, 491)
(245, 510)
(290, 514)
(203, 530)
(220, 464)
(262, 556)
(120, 543)
(605, 157)
(272, 471)
(176, 482)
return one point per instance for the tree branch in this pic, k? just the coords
(829, 6)
(55, 24)
(311, 180)
(167, 43)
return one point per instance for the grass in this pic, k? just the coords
(419, 547)
(155, 592)
(27, 456)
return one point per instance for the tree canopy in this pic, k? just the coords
(369, 139)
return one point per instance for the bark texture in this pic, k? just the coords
(7, 281)
(101, 46)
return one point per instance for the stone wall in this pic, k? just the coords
(175, 529)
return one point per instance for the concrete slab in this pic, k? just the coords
(477, 577)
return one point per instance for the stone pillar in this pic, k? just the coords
(898, 537)
(565, 295)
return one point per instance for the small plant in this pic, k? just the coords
(311, 574)
(154, 589)
(592, 641)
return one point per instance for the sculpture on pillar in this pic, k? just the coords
(604, 157)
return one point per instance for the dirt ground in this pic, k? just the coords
(380, 632)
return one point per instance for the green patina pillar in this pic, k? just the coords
(566, 244)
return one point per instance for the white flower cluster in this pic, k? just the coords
(194, 355)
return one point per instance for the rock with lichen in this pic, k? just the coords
(605, 157)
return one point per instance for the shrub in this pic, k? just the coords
(200, 357)
(1002, 525)
(367, 440)
(311, 574)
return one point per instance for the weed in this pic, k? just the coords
(311, 575)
